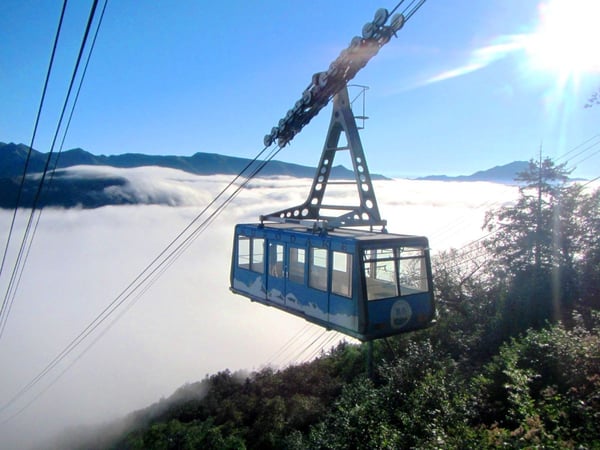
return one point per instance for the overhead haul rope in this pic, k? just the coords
(8, 299)
(62, 372)
(490, 204)
(577, 147)
(591, 181)
(301, 332)
(149, 271)
(326, 342)
(20, 267)
(473, 243)
(301, 347)
(27, 159)
(35, 126)
(476, 250)
(53, 170)
(315, 347)
(408, 14)
(588, 157)
(319, 335)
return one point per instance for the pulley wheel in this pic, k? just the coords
(381, 15)
(368, 30)
(306, 97)
(322, 79)
(268, 140)
(397, 21)
(355, 42)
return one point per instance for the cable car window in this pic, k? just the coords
(276, 260)
(413, 271)
(297, 259)
(317, 272)
(395, 271)
(341, 275)
(244, 252)
(380, 271)
(258, 250)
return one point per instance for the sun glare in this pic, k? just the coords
(562, 42)
(566, 39)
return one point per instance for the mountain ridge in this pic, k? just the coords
(13, 156)
(76, 189)
(499, 174)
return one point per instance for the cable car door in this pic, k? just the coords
(342, 300)
(276, 272)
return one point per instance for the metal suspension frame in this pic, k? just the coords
(366, 213)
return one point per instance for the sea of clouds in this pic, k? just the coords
(187, 324)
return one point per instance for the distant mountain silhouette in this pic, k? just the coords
(91, 191)
(499, 174)
(69, 191)
(13, 156)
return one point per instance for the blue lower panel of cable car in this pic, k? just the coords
(368, 285)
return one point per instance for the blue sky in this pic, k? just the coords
(461, 89)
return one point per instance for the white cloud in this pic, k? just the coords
(146, 184)
(188, 324)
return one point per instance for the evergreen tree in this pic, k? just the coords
(536, 245)
(588, 265)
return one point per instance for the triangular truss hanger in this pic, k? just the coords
(313, 210)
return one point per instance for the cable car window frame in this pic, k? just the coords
(244, 244)
(408, 287)
(380, 287)
(257, 256)
(297, 264)
(405, 282)
(276, 260)
(341, 277)
(318, 268)
(250, 253)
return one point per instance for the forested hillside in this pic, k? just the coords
(512, 362)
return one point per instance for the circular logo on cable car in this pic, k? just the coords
(400, 314)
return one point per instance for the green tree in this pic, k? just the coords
(536, 245)
(468, 300)
(360, 420)
(589, 263)
(523, 233)
(541, 390)
(174, 435)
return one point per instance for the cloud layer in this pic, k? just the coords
(187, 324)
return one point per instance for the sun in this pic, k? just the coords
(566, 39)
(563, 43)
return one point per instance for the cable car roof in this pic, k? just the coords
(354, 234)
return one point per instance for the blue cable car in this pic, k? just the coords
(337, 271)
(365, 284)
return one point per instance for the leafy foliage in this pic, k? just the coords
(545, 389)
(513, 361)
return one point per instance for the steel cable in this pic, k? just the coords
(29, 242)
(27, 159)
